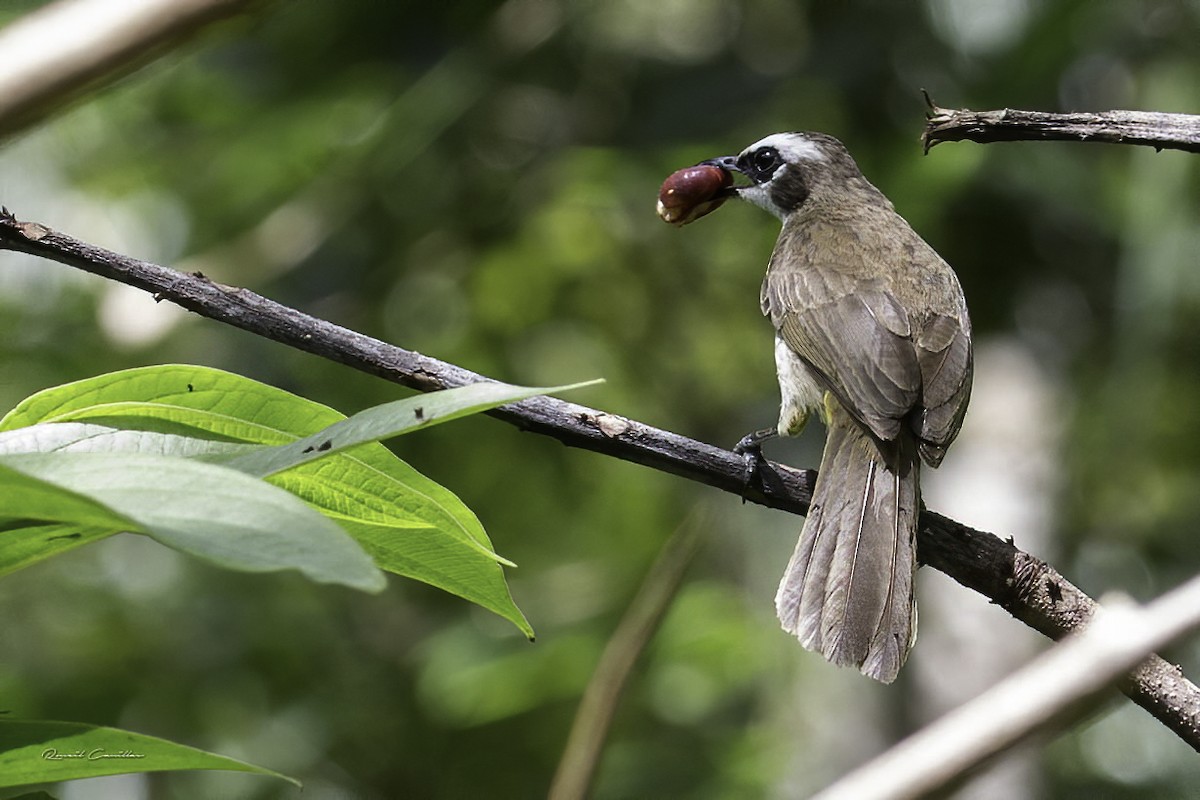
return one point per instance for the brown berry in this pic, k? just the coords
(690, 193)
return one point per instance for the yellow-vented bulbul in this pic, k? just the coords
(871, 333)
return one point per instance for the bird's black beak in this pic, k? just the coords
(729, 164)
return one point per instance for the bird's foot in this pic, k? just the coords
(755, 463)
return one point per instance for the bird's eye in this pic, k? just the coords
(765, 161)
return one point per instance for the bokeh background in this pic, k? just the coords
(476, 181)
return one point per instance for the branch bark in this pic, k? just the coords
(1154, 129)
(1026, 587)
(1052, 690)
(61, 51)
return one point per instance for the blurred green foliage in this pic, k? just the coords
(476, 181)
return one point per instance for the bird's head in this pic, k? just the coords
(786, 170)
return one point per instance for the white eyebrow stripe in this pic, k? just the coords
(792, 147)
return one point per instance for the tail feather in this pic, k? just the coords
(848, 589)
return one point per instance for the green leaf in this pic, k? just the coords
(24, 542)
(176, 398)
(387, 420)
(86, 437)
(411, 525)
(43, 752)
(207, 510)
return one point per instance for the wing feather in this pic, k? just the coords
(888, 363)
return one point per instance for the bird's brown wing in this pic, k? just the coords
(944, 352)
(881, 361)
(855, 335)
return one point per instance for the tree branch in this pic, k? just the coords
(641, 620)
(1157, 130)
(64, 49)
(1026, 587)
(1050, 691)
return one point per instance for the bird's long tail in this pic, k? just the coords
(848, 590)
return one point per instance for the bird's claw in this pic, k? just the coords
(749, 447)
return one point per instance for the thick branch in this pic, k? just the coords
(1054, 689)
(1026, 587)
(1157, 130)
(64, 49)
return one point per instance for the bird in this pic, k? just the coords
(873, 336)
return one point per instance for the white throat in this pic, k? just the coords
(760, 195)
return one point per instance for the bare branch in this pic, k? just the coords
(1052, 689)
(581, 753)
(1157, 130)
(64, 49)
(1025, 586)
(1035, 593)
